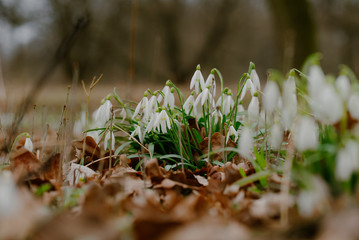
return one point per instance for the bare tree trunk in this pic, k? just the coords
(170, 18)
(296, 31)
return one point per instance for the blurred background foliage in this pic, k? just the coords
(156, 40)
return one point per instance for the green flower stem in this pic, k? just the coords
(221, 80)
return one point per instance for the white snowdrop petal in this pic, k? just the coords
(253, 110)
(255, 80)
(343, 85)
(28, 144)
(316, 79)
(306, 134)
(245, 142)
(270, 96)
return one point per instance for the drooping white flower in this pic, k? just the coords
(216, 116)
(137, 132)
(112, 141)
(28, 144)
(203, 97)
(123, 114)
(162, 122)
(197, 81)
(347, 160)
(270, 96)
(316, 79)
(343, 85)
(232, 132)
(327, 105)
(353, 105)
(306, 134)
(166, 90)
(151, 124)
(102, 114)
(141, 107)
(227, 103)
(188, 104)
(152, 104)
(211, 84)
(245, 144)
(253, 110)
(255, 80)
(276, 136)
(247, 86)
(169, 100)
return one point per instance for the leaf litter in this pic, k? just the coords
(122, 202)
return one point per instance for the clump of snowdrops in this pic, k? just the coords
(306, 118)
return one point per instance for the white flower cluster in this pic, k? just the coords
(276, 109)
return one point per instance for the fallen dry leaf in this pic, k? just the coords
(74, 173)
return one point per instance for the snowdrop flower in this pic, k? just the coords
(166, 90)
(253, 110)
(162, 122)
(216, 116)
(316, 79)
(289, 109)
(271, 96)
(107, 139)
(247, 86)
(141, 107)
(255, 80)
(197, 80)
(276, 136)
(203, 97)
(188, 104)
(245, 144)
(347, 160)
(228, 102)
(306, 134)
(102, 114)
(28, 144)
(152, 103)
(343, 85)
(353, 105)
(211, 83)
(123, 114)
(151, 124)
(232, 132)
(327, 105)
(169, 100)
(137, 132)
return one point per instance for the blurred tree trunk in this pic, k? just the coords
(296, 31)
(170, 16)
